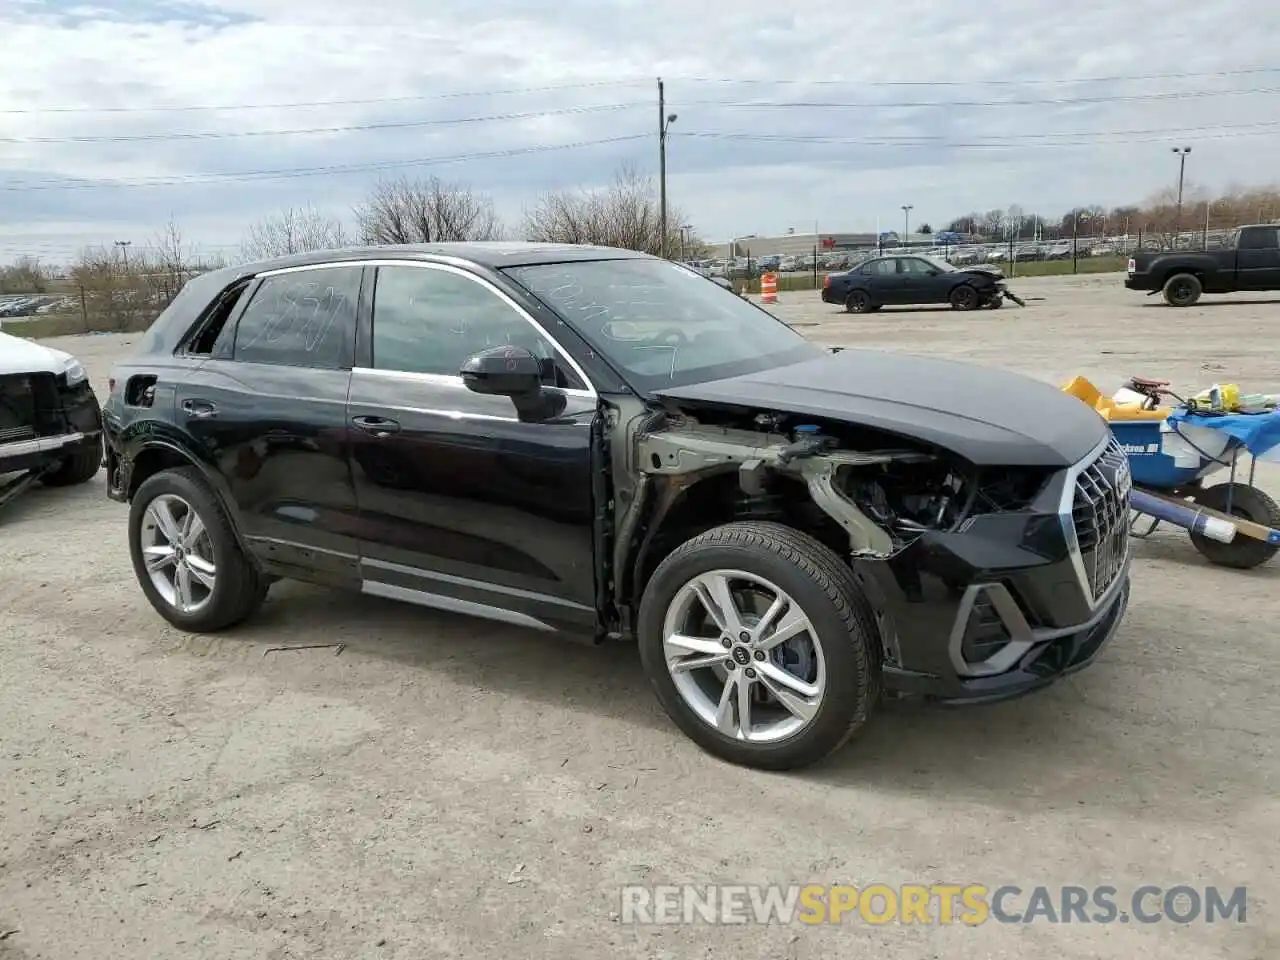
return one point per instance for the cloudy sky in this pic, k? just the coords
(117, 115)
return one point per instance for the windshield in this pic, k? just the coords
(661, 324)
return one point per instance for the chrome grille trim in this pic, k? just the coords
(1095, 517)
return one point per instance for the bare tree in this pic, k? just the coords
(24, 275)
(426, 211)
(293, 230)
(625, 214)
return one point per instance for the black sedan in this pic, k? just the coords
(911, 280)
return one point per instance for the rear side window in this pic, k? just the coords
(880, 268)
(301, 319)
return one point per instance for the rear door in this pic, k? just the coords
(1258, 259)
(880, 279)
(269, 409)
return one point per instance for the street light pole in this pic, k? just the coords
(906, 224)
(1182, 169)
(665, 121)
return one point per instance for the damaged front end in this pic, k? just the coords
(968, 570)
(881, 498)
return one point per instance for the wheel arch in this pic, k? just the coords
(156, 456)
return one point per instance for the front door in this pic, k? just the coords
(270, 411)
(464, 506)
(1259, 263)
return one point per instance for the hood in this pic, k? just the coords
(984, 268)
(26, 356)
(988, 416)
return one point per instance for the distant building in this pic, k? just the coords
(797, 244)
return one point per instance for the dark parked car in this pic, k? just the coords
(50, 422)
(600, 442)
(1250, 260)
(914, 279)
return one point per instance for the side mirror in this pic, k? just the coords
(503, 372)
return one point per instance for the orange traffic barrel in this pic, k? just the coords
(769, 288)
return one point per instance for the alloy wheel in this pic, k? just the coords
(744, 656)
(178, 553)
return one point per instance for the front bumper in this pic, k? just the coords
(43, 453)
(1012, 601)
(1048, 656)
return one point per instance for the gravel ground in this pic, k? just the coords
(445, 786)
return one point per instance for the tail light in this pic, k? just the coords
(1133, 265)
(826, 281)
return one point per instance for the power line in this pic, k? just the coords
(612, 108)
(953, 144)
(351, 128)
(368, 101)
(1055, 139)
(871, 104)
(1215, 74)
(295, 172)
(637, 81)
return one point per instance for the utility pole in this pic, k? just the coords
(124, 252)
(665, 120)
(1182, 169)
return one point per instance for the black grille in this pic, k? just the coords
(17, 409)
(1100, 513)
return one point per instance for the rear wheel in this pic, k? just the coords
(1248, 503)
(964, 297)
(759, 645)
(186, 556)
(1182, 290)
(859, 301)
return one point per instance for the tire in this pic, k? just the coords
(1182, 290)
(81, 467)
(823, 588)
(238, 588)
(858, 301)
(1249, 503)
(965, 297)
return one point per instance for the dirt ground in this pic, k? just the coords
(446, 787)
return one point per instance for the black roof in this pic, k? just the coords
(491, 253)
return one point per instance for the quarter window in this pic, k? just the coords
(430, 320)
(879, 268)
(300, 319)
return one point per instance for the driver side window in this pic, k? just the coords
(430, 320)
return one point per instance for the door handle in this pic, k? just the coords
(376, 426)
(201, 409)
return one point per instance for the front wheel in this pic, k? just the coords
(760, 645)
(81, 467)
(186, 556)
(964, 297)
(1248, 503)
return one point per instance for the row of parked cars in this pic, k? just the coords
(33, 305)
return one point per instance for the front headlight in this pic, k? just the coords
(74, 371)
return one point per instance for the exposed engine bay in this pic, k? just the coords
(883, 494)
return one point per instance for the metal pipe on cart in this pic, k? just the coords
(1193, 519)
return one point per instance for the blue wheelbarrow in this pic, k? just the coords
(1173, 450)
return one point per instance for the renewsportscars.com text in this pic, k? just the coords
(932, 904)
